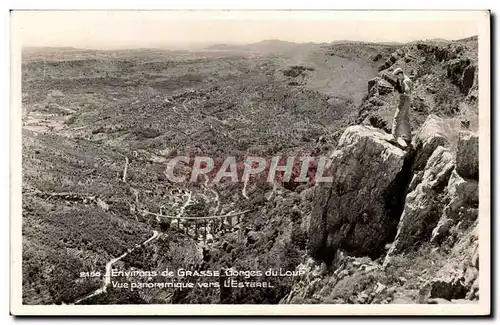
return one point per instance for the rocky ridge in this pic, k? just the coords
(388, 212)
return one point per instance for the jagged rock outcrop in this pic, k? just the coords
(468, 78)
(350, 281)
(444, 76)
(379, 86)
(439, 52)
(435, 132)
(458, 279)
(462, 192)
(461, 210)
(426, 228)
(439, 198)
(468, 155)
(423, 206)
(473, 95)
(357, 210)
(455, 69)
(462, 73)
(393, 58)
(444, 200)
(437, 210)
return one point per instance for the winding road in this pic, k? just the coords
(109, 265)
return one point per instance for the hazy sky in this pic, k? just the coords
(114, 29)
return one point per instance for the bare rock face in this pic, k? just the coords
(350, 281)
(468, 79)
(462, 193)
(456, 69)
(357, 210)
(458, 279)
(473, 95)
(434, 132)
(422, 206)
(448, 285)
(461, 209)
(372, 83)
(379, 86)
(468, 155)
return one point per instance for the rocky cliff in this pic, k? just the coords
(445, 83)
(358, 210)
(401, 226)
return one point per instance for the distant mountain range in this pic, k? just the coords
(262, 46)
(265, 46)
(274, 45)
(467, 39)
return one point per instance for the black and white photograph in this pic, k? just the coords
(195, 162)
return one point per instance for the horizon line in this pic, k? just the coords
(212, 43)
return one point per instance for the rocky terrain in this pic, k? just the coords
(99, 128)
(398, 226)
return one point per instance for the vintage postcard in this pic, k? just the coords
(177, 162)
